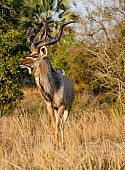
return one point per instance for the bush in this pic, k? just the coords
(13, 49)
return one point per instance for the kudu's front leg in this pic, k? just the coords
(58, 115)
(62, 123)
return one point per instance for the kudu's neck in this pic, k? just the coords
(44, 78)
(45, 68)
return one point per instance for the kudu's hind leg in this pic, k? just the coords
(56, 118)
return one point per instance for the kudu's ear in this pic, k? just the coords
(43, 51)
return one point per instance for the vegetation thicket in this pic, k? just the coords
(13, 48)
(95, 62)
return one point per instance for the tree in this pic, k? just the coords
(103, 34)
(35, 13)
(9, 13)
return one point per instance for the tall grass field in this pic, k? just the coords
(94, 139)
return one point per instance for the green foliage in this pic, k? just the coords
(10, 11)
(13, 47)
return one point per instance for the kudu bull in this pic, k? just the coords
(55, 88)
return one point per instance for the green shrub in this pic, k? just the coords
(13, 49)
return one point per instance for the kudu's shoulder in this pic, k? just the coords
(57, 79)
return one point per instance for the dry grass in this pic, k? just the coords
(92, 140)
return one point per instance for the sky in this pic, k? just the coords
(81, 5)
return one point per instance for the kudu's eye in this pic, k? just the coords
(35, 56)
